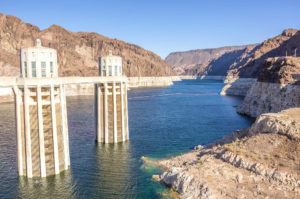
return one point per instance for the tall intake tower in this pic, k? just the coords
(41, 115)
(111, 102)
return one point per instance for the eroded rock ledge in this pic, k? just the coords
(277, 87)
(237, 86)
(262, 161)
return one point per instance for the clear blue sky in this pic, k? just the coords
(165, 26)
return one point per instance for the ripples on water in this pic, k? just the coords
(163, 122)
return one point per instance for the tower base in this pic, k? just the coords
(111, 112)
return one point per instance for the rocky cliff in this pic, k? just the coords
(259, 162)
(78, 52)
(248, 64)
(277, 87)
(195, 62)
(235, 62)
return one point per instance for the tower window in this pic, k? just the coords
(43, 68)
(51, 67)
(109, 70)
(25, 68)
(116, 70)
(33, 66)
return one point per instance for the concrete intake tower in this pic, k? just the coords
(111, 105)
(41, 111)
(41, 115)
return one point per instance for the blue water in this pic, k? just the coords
(162, 121)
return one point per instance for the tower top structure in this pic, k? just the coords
(38, 61)
(110, 65)
(38, 42)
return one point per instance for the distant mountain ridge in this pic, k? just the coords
(220, 65)
(186, 62)
(240, 61)
(78, 52)
(249, 64)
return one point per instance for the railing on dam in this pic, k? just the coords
(6, 82)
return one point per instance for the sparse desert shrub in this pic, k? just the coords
(281, 164)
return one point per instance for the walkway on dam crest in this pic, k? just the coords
(7, 82)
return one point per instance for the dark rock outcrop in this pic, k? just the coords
(281, 70)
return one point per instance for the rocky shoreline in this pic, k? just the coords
(259, 162)
(212, 77)
(265, 97)
(237, 86)
(134, 82)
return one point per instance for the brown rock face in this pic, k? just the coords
(220, 65)
(196, 61)
(77, 52)
(283, 70)
(235, 61)
(248, 64)
(277, 88)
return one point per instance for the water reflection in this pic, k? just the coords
(113, 169)
(59, 186)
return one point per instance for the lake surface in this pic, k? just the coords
(162, 122)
